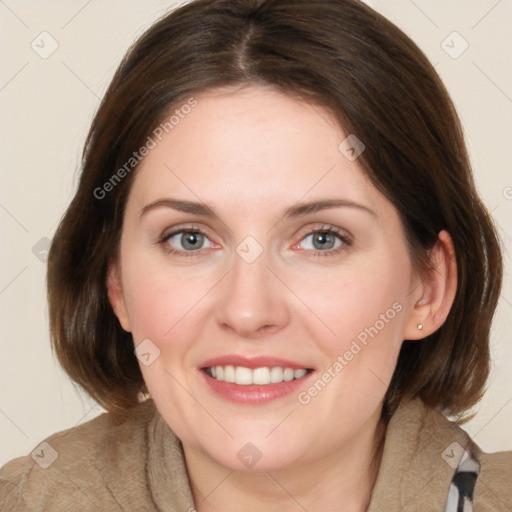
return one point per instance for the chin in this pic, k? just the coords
(247, 453)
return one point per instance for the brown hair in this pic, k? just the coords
(339, 54)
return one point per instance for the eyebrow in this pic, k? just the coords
(296, 210)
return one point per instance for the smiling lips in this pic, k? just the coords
(253, 380)
(246, 376)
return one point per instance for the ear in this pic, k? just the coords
(434, 293)
(116, 296)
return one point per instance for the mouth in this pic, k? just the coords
(257, 380)
(262, 376)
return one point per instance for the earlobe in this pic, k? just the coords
(116, 296)
(435, 295)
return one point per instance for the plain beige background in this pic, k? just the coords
(47, 105)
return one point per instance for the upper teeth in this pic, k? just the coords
(245, 376)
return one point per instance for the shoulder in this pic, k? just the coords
(429, 458)
(493, 489)
(62, 472)
(491, 473)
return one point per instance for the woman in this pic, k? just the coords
(276, 275)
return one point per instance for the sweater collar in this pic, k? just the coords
(167, 472)
(421, 451)
(416, 466)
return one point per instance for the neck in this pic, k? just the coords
(341, 480)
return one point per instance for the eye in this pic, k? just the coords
(326, 241)
(186, 242)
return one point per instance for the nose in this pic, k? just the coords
(254, 301)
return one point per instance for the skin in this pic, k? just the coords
(250, 153)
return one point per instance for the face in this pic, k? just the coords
(258, 286)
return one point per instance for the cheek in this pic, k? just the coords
(355, 299)
(150, 309)
(167, 305)
(358, 321)
(156, 298)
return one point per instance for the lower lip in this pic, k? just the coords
(253, 393)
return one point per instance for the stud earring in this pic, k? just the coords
(420, 326)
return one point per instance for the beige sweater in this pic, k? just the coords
(138, 465)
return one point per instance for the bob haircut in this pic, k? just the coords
(338, 54)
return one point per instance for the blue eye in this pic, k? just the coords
(191, 241)
(325, 241)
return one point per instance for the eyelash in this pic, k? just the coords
(324, 230)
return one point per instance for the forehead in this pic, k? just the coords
(251, 144)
